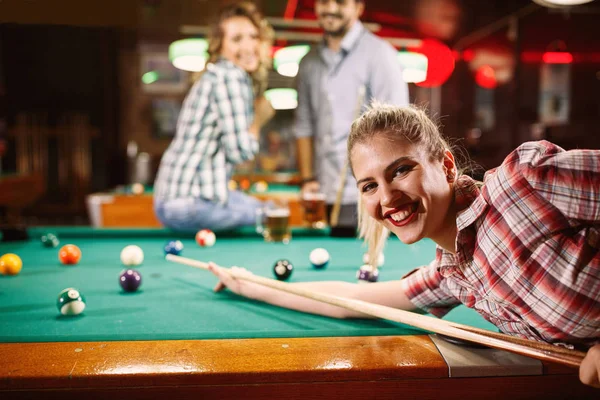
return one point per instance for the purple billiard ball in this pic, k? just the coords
(367, 273)
(130, 280)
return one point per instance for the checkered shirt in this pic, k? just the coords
(528, 248)
(212, 136)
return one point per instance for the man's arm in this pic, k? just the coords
(303, 125)
(386, 82)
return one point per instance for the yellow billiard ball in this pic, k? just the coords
(10, 264)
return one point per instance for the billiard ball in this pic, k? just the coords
(232, 185)
(367, 274)
(70, 302)
(49, 240)
(130, 280)
(245, 184)
(174, 247)
(206, 238)
(380, 259)
(319, 258)
(132, 255)
(69, 254)
(137, 189)
(10, 264)
(283, 270)
(261, 187)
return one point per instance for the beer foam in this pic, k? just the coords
(311, 196)
(277, 212)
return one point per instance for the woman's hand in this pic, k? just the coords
(227, 280)
(589, 372)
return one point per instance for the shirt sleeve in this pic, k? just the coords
(303, 126)
(424, 287)
(569, 180)
(386, 82)
(234, 104)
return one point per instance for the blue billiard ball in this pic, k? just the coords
(174, 247)
(130, 280)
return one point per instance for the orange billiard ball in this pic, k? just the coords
(10, 264)
(69, 254)
(245, 184)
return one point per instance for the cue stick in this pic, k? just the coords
(538, 350)
(337, 206)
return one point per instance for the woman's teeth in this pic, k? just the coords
(400, 216)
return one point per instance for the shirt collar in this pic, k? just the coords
(468, 201)
(223, 62)
(350, 38)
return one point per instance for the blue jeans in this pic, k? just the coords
(191, 214)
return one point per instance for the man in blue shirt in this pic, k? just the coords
(336, 80)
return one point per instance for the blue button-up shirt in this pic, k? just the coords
(333, 90)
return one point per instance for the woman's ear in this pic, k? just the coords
(449, 166)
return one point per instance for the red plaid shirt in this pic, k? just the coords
(528, 248)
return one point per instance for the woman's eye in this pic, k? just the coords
(368, 187)
(402, 170)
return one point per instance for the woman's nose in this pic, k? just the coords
(387, 194)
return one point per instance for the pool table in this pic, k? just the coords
(120, 208)
(176, 338)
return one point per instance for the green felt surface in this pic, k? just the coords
(276, 188)
(177, 302)
(279, 188)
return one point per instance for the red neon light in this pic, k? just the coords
(557, 57)
(290, 9)
(468, 55)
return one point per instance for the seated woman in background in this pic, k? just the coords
(522, 248)
(218, 128)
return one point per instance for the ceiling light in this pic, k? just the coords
(189, 54)
(561, 3)
(287, 60)
(282, 98)
(414, 66)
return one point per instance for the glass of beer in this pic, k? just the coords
(274, 223)
(315, 210)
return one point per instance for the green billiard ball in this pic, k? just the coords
(70, 302)
(50, 240)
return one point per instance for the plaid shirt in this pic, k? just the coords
(528, 248)
(212, 136)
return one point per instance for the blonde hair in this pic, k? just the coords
(411, 124)
(266, 33)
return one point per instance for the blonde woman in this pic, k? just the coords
(522, 248)
(218, 128)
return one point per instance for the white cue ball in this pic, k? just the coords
(132, 255)
(319, 258)
(380, 259)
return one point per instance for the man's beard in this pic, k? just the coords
(341, 31)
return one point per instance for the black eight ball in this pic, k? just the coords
(283, 270)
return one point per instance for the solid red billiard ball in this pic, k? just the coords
(69, 254)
